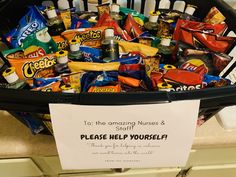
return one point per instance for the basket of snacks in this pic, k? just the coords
(120, 53)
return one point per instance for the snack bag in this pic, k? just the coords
(28, 68)
(91, 37)
(106, 20)
(30, 23)
(35, 45)
(214, 16)
(87, 66)
(132, 27)
(61, 42)
(192, 26)
(126, 47)
(181, 80)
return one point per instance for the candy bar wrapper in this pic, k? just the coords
(214, 16)
(91, 37)
(129, 81)
(105, 89)
(66, 18)
(73, 79)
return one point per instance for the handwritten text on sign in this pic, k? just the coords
(135, 136)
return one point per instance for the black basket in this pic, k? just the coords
(212, 99)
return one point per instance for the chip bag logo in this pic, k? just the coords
(195, 65)
(88, 36)
(61, 45)
(31, 68)
(29, 30)
(34, 52)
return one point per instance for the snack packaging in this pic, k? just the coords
(103, 8)
(132, 27)
(214, 16)
(106, 20)
(128, 60)
(182, 80)
(91, 37)
(87, 66)
(130, 67)
(76, 22)
(29, 68)
(52, 87)
(129, 81)
(40, 82)
(126, 47)
(215, 81)
(91, 54)
(35, 45)
(192, 26)
(66, 18)
(139, 18)
(61, 42)
(151, 64)
(73, 79)
(104, 89)
(28, 24)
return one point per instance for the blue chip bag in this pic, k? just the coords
(28, 24)
(76, 23)
(128, 60)
(91, 54)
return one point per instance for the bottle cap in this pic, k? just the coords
(153, 18)
(51, 12)
(190, 9)
(74, 45)
(179, 5)
(164, 86)
(165, 41)
(152, 12)
(115, 8)
(62, 56)
(63, 4)
(109, 32)
(67, 89)
(10, 75)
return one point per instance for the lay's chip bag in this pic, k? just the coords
(29, 68)
(28, 24)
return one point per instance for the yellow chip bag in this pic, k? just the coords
(126, 47)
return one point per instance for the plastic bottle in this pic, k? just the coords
(63, 4)
(55, 23)
(62, 60)
(152, 24)
(76, 4)
(164, 4)
(75, 54)
(188, 13)
(13, 80)
(179, 6)
(165, 49)
(110, 47)
(114, 13)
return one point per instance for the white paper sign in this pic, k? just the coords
(135, 136)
